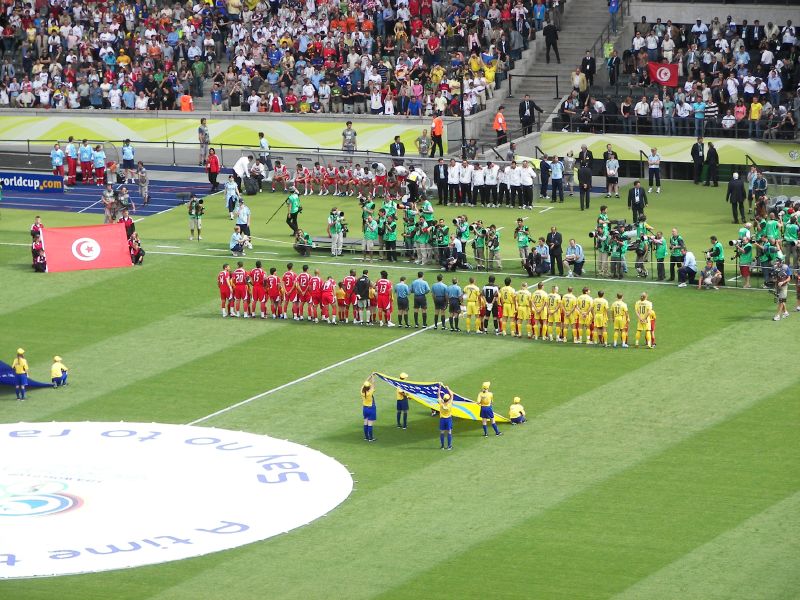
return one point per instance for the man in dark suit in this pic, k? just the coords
(550, 34)
(637, 200)
(712, 160)
(589, 67)
(585, 157)
(735, 196)
(526, 118)
(553, 242)
(753, 35)
(585, 185)
(698, 158)
(397, 148)
(440, 179)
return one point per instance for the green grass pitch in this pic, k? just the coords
(664, 474)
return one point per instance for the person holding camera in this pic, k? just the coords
(743, 252)
(479, 243)
(541, 258)
(710, 276)
(441, 239)
(717, 254)
(783, 274)
(789, 243)
(293, 210)
(303, 243)
(660, 245)
(768, 254)
(687, 272)
(619, 246)
(493, 247)
(676, 257)
(523, 238)
(336, 228)
(575, 259)
(370, 237)
(422, 240)
(196, 212)
(390, 238)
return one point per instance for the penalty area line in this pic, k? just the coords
(227, 409)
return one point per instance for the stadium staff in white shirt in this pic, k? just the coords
(490, 180)
(465, 183)
(241, 169)
(453, 177)
(514, 174)
(527, 176)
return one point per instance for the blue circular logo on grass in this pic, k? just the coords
(88, 497)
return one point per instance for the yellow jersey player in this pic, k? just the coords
(472, 300)
(20, 368)
(516, 412)
(619, 310)
(445, 419)
(368, 408)
(508, 300)
(570, 305)
(524, 310)
(485, 399)
(585, 316)
(600, 310)
(539, 303)
(644, 315)
(402, 404)
(553, 315)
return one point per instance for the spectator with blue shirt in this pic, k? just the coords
(401, 291)
(439, 292)
(557, 178)
(575, 259)
(128, 153)
(699, 110)
(420, 289)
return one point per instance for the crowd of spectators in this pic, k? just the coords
(734, 80)
(354, 56)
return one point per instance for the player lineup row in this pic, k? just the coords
(541, 314)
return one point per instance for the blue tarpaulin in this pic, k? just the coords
(7, 377)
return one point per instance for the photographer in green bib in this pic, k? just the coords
(768, 252)
(717, 254)
(743, 252)
(293, 210)
(479, 243)
(390, 238)
(789, 245)
(441, 240)
(660, 245)
(676, 244)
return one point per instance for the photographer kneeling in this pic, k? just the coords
(538, 261)
(303, 243)
(710, 276)
(575, 259)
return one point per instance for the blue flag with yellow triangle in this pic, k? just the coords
(427, 394)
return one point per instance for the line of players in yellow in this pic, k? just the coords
(553, 317)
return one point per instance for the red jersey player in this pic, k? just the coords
(225, 289)
(327, 299)
(301, 283)
(280, 175)
(384, 288)
(317, 177)
(330, 180)
(315, 291)
(349, 286)
(302, 177)
(258, 278)
(289, 290)
(240, 290)
(273, 286)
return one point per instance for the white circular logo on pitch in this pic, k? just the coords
(85, 249)
(88, 497)
(662, 74)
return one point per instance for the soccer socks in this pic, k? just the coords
(638, 335)
(405, 419)
(399, 412)
(369, 433)
(449, 440)
(436, 320)
(406, 318)
(416, 320)
(648, 338)
(455, 319)
(441, 439)
(366, 432)
(496, 430)
(485, 430)
(616, 337)
(424, 319)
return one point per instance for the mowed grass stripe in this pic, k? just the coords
(632, 524)
(764, 550)
(453, 504)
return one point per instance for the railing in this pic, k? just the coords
(749, 162)
(538, 152)
(642, 160)
(607, 32)
(512, 76)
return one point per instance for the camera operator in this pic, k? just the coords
(660, 245)
(367, 209)
(302, 243)
(135, 249)
(455, 256)
(717, 254)
(441, 241)
(409, 230)
(602, 243)
(422, 241)
(688, 272)
(293, 210)
(370, 237)
(789, 244)
(710, 276)
(574, 258)
(768, 253)
(390, 238)
(337, 229)
(619, 246)
(783, 274)
(493, 247)
(743, 252)
(479, 243)
(676, 258)
(538, 262)
(523, 238)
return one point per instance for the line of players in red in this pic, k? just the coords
(337, 182)
(300, 294)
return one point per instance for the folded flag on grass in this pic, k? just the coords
(427, 392)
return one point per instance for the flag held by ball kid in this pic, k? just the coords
(87, 247)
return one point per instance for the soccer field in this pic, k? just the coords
(666, 473)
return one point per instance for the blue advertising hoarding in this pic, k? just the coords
(32, 182)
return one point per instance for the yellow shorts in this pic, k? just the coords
(570, 319)
(540, 315)
(509, 310)
(473, 308)
(587, 320)
(524, 314)
(620, 323)
(554, 317)
(600, 321)
(643, 326)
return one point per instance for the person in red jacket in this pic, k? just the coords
(213, 168)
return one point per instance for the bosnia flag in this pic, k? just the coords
(426, 393)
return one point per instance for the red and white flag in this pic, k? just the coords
(89, 247)
(663, 74)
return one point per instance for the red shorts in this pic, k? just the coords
(745, 270)
(316, 298)
(352, 181)
(384, 302)
(380, 179)
(274, 296)
(225, 293)
(350, 299)
(240, 292)
(259, 294)
(291, 296)
(326, 299)
(330, 180)
(304, 297)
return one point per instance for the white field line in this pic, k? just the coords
(306, 377)
(90, 206)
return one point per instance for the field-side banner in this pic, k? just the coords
(32, 182)
(88, 247)
(426, 393)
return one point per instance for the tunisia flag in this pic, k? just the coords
(663, 74)
(89, 247)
